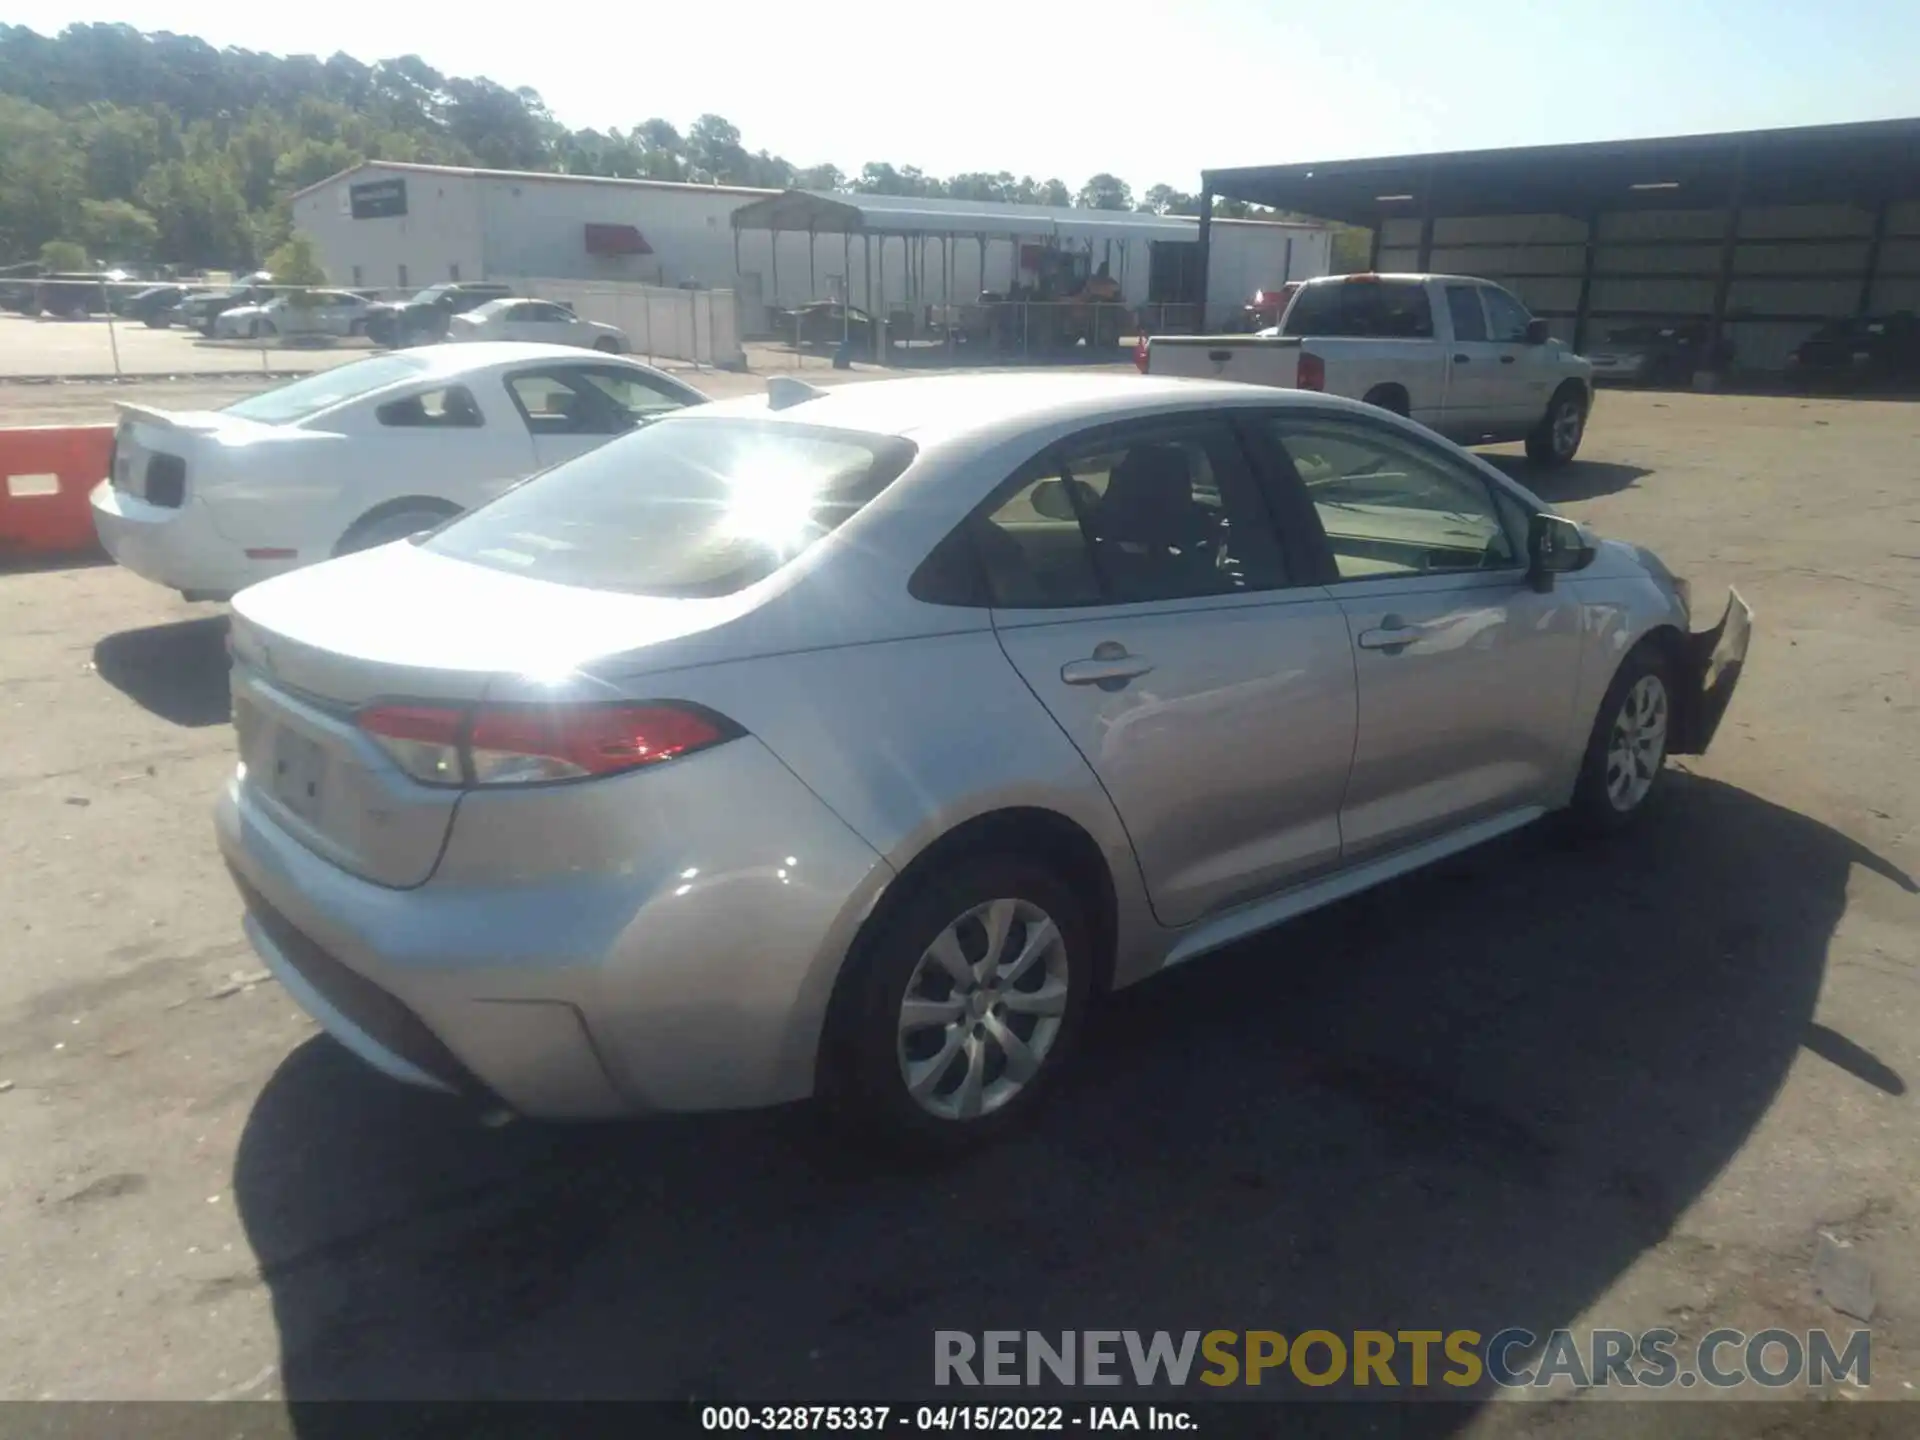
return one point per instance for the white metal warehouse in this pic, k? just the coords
(393, 225)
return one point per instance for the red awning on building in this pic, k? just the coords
(616, 240)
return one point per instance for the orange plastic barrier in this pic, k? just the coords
(46, 474)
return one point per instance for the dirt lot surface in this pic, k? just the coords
(1537, 1087)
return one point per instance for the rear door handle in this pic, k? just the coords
(1462, 359)
(1219, 357)
(1106, 671)
(1390, 638)
(1506, 359)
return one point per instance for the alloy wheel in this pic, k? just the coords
(1569, 419)
(1637, 744)
(983, 1009)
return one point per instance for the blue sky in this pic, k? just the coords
(1150, 91)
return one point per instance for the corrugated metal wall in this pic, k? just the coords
(1793, 267)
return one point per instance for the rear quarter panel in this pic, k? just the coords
(1248, 359)
(906, 740)
(1356, 366)
(304, 486)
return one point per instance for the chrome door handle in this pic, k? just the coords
(1106, 671)
(1390, 638)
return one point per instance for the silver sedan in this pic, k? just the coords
(853, 743)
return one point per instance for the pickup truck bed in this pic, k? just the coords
(1459, 355)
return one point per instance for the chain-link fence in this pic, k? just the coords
(72, 328)
(1009, 331)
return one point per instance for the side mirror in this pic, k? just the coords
(1555, 546)
(1538, 332)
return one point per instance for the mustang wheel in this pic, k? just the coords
(968, 1003)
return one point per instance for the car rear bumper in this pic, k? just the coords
(670, 944)
(1714, 659)
(179, 548)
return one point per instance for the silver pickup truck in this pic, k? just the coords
(1461, 356)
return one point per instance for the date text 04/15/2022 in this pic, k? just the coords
(939, 1419)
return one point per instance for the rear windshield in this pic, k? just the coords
(1390, 308)
(687, 508)
(298, 399)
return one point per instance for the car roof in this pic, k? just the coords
(947, 408)
(458, 359)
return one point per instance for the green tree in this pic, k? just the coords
(63, 255)
(1351, 250)
(1105, 192)
(294, 263)
(714, 152)
(118, 230)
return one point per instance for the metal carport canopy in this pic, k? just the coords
(1865, 163)
(822, 214)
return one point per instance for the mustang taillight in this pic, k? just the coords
(533, 744)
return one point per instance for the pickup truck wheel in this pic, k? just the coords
(1556, 439)
(1388, 397)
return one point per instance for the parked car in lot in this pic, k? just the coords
(1659, 354)
(338, 313)
(1854, 354)
(153, 305)
(423, 318)
(198, 309)
(1461, 356)
(208, 502)
(852, 742)
(541, 321)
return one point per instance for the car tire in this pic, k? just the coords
(383, 527)
(607, 345)
(356, 329)
(1623, 770)
(925, 1063)
(1390, 398)
(158, 322)
(1556, 439)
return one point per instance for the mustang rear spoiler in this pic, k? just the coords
(166, 419)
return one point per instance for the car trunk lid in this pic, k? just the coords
(401, 625)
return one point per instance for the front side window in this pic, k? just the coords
(571, 401)
(1372, 307)
(1463, 308)
(451, 407)
(686, 508)
(1167, 514)
(1392, 506)
(1507, 318)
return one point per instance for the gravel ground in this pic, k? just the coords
(1538, 1086)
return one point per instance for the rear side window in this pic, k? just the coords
(692, 508)
(1168, 514)
(1463, 308)
(1380, 309)
(451, 407)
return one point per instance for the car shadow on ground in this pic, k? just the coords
(1580, 480)
(1469, 1099)
(177, 671)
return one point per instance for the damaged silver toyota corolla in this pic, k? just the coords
(852, 743)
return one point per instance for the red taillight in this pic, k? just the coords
(1311, 373)
(529, 744)
(570, 742)
(1140, 354)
